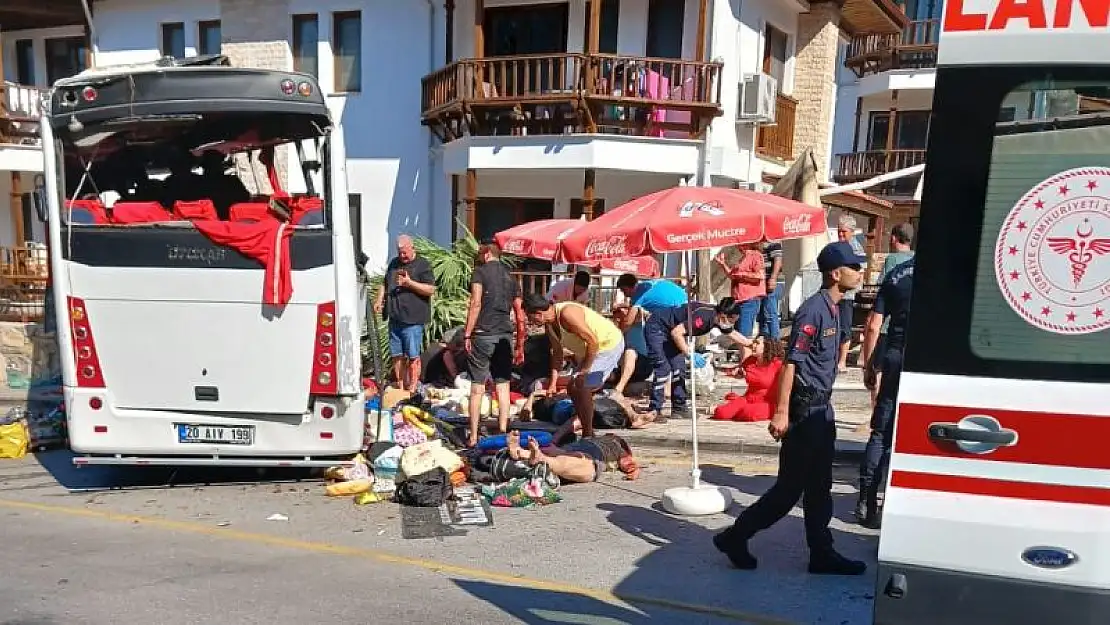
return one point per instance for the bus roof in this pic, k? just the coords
(169, 87)
(1024, 32)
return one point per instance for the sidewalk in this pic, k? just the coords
(851, 401)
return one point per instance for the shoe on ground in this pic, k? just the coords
(832, 563)
(736, 550)
(681, 413)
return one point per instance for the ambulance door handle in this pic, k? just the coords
(974, 434)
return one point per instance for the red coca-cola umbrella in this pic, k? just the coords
(685, 219)
(690, 218)
(540, 239)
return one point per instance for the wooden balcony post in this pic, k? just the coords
(593, 44)
(890, 123)
(703, 13)
(16, 204)
(479, 42)
(588, 184)
(449, 38)
(859, 115)
(472, 199)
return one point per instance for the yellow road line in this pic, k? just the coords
(388, 558)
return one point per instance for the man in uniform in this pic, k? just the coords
(893, 302)
(665, 333)
(804, 423)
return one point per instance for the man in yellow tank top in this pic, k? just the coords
(596, 343)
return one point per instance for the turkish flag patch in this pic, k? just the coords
(698, 322)
(809, 330)
(802, 344)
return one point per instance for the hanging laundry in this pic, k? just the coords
(266, 241)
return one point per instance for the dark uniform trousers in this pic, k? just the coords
(668, 364)
(805, 472)
(879, 445)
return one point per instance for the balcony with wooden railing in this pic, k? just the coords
(569, 93)
(859, 166)
(777, 140)
(20, 107)
(23, 282)
(914, 48)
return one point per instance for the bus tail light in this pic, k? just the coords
(89, 374)
(324, 354)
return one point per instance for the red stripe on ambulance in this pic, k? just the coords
(1000, 488)
(1062, 440)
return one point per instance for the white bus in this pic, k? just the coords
(998, 504)
(195, 326)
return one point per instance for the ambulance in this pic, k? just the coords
(997, 508)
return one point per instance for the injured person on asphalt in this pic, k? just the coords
(579, 462)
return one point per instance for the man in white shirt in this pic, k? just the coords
(576, 289)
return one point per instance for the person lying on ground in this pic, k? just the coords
(446, 362)
(635, 365)
(633, 420)
(595, 343)
(580, 462)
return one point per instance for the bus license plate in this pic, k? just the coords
(219, 434)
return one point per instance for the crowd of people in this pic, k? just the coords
(651, 334)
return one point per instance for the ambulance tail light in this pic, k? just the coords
(324, 353)
(89, 373)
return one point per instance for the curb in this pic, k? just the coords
(846, 451)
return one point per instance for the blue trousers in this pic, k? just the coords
(805, 472)
(769, 314)
(667, 364)
(876, 456)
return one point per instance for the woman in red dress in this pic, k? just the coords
(761, 371)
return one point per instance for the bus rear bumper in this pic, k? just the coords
(935, 596)
(109, 431)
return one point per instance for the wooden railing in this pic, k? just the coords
(20, 108)
(23, 277)
(571, 92)
(777, 140)
(857, 166)
(914, 48)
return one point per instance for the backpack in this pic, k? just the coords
(608, 414)
(427, 490)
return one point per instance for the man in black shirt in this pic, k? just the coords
(405, 299)
(494, 294)
(893, 302)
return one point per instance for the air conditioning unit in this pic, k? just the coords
(758, 93)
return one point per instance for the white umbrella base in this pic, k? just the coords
(698, 501)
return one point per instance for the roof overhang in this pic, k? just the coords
(28, 14)
(871, 16)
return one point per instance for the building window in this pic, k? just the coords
(775, 54)
(610, 14)
(1007, 114)
(65, 57)
(347, 46)
(208, 37)
(173, 40)
(664, 28)
(911, 130)
(25, 61)
(306, 40)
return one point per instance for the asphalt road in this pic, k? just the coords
(205, 553)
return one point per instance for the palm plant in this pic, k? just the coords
(452, 267)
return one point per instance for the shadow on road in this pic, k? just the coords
(685, 565)
(59, 464)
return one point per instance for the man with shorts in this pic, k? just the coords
(406, 299)
(595, 343)
(494, 294)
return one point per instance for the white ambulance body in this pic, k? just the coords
(998, 503)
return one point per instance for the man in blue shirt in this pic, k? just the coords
(804, 423)
(651, 294)
(893, 304)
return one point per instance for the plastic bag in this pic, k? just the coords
(521, 493)
(14, 440)
(705, 377)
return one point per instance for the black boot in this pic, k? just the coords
(736, 549)
(832, 563)
(867, 508)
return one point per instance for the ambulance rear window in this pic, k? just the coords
(1042, 283)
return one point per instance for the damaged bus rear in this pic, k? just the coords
(202, 267)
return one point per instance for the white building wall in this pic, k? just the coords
(130, 31)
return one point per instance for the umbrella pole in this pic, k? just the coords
(695, 474)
